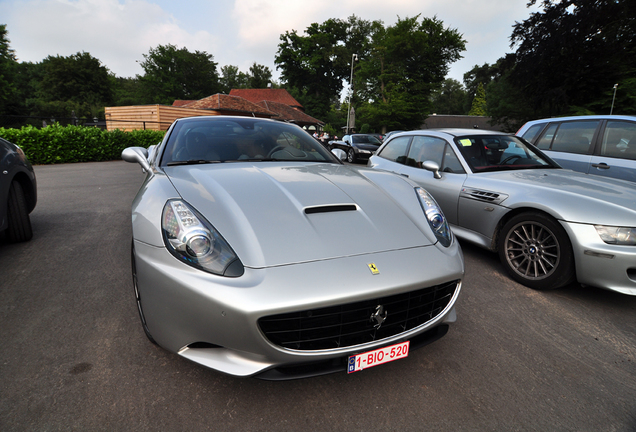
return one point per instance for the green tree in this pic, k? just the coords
(405, 64)
(478, 107)
(571, 53)
(8, 66)
(449, 98)
(259, 77)
(172, 73)
(479, 75)
(78, 84)
(127, 91)
(315, 65)
(232, 78)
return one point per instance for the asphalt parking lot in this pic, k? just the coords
(74, 355)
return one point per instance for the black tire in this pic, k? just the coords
(19, 229)
(137, 296)
(351, 156)
(536, 251)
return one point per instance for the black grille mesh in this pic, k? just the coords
(350, 324)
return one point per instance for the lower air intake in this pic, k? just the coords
(351, 324)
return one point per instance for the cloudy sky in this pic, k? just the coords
(235, 32)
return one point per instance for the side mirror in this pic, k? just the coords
(432, 166)
(339, 153)
(151, 151)
(136, 155)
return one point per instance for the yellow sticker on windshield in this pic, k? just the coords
(466, 142)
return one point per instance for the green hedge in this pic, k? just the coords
(65, 144)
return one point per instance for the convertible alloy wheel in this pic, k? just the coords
(137, 297)
(536, 251)
(19, 229)
(351, 156)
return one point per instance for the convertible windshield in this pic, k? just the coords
(500, 152)
(366, 139)
(201, 140)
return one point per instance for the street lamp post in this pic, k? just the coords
(612, 109)
(354, 57)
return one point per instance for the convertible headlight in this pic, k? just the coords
(435, 217)
(194, 241)
(617, 235)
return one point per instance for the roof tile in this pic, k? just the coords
(223, 102)
(273, 95)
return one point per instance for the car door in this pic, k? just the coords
(423, 148)
(570, 143)
(616, 151)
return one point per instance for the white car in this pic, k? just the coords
(603, 145)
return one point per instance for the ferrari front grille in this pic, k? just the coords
(357, 323)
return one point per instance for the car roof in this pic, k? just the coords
(454, 132)
(586, 117)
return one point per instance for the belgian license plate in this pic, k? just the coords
(369, 359)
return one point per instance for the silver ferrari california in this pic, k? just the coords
(550, 226)
(256, 252)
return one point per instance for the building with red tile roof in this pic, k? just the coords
(277, 104)
(224, 104)
(271, 95)
(289, 114)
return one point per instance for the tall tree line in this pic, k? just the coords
(78, 87)
(567, 58)
(394, 68)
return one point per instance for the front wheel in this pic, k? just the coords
(19, 229)
(351, 156)
(536, 251)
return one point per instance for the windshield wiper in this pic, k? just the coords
(251, 160)
(512, 168)
(193, 162)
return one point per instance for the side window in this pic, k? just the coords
(395, 150)
(619, 140)
(451, 163)
(425, 148)
(574, 137)
(546, 140)
(531, 133)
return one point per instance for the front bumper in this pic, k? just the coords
(599, 264)
(212, 320)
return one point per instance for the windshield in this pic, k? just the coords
(365, 139)
(500, 152)
(222, 139)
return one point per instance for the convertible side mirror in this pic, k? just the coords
(138, 155)
(433, 167)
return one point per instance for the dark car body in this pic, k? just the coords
(358, 147)
(603, 145)
(18, 192)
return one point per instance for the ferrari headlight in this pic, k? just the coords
(617, 235)
(435, 217)
(194, 241)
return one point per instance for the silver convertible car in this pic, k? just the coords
(256, 252)
(550, 226)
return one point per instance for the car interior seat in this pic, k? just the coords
(474, 155)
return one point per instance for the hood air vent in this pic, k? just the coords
(331, 208)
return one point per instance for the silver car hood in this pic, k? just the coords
(276, 214)
(573, 196)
